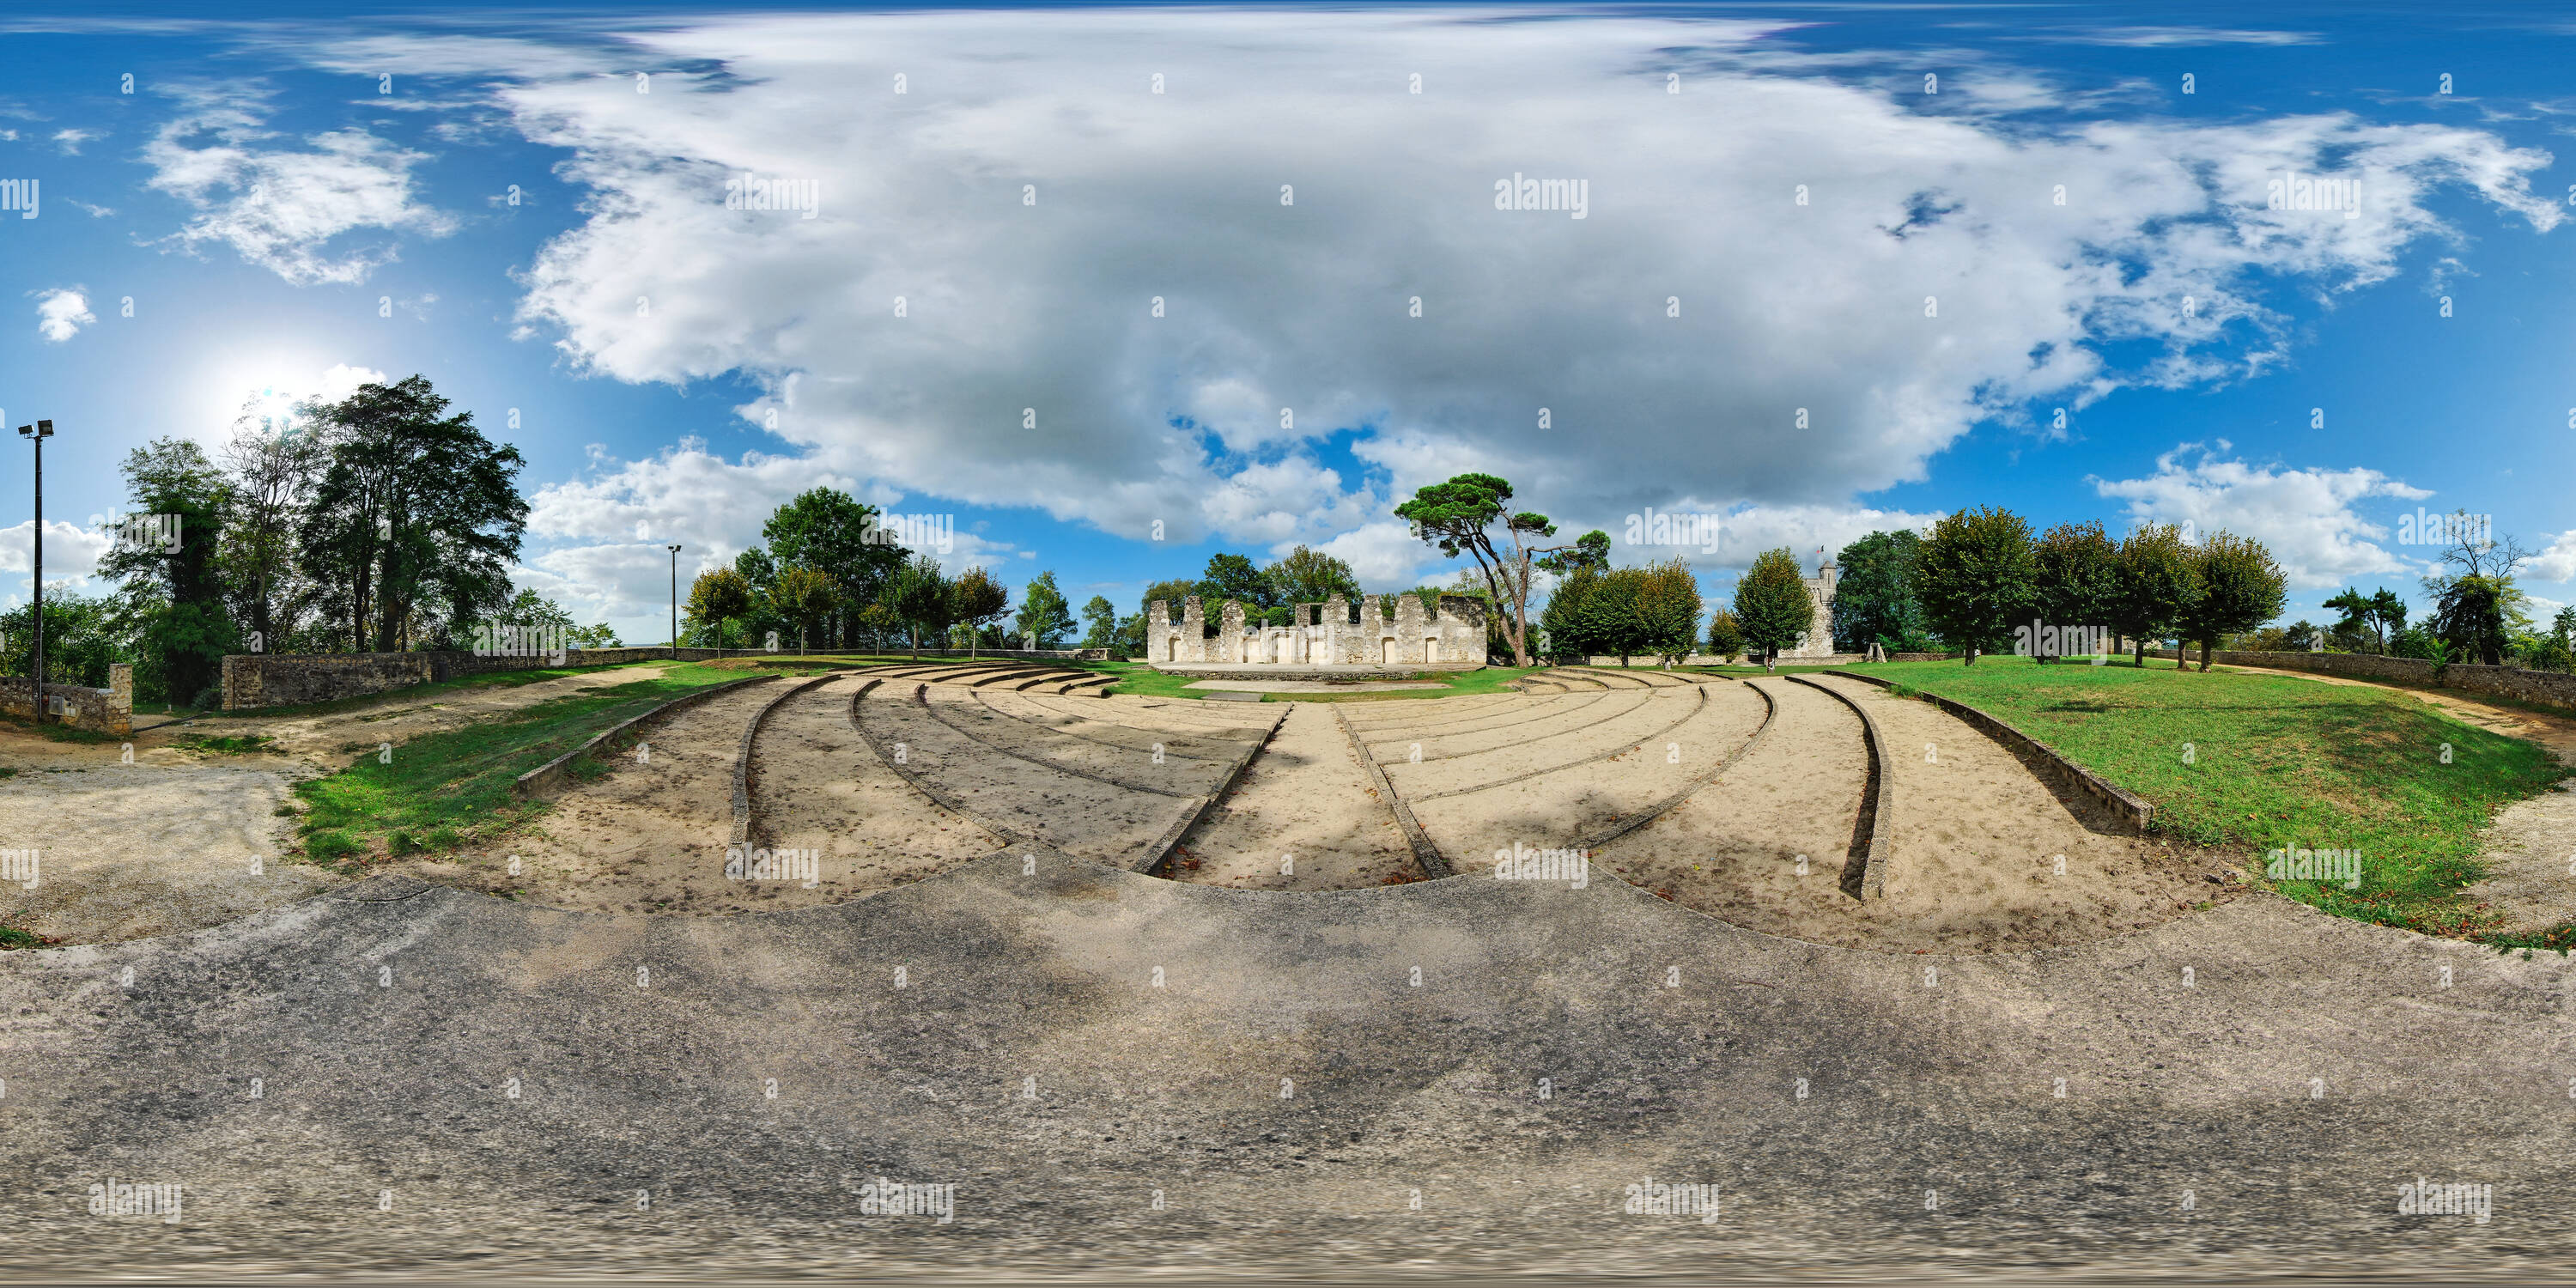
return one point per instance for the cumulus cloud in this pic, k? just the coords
(2556, 561)
(297, 211)
(61, 312)
(1029, 222)
(2312, 519)
(72, 555)
(1122, 307)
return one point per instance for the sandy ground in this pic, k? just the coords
(1306, 798)
(2531, 845)
(1976, 840)
(647, 836)
(125, 851)
(165, 844)
(1083, 815)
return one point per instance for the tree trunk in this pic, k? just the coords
(2204, 657)
(2142, 652)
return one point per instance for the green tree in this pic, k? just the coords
(1668, 609)
(175, 596)
(2159, 580)
(1874, 599)
(2078, 567)
(1613, 617)
(1234, 577)
(920, 598)
(417, 514)
(2240, 588)
(979, 600)
(825, 529)
(1043, 610)
(1100, 622)
(1564, 621)
(1977, 575)
(1307, 576)
(2476, 606)
(1591, 550)
(718, 596)
(1772, 607)
(273, 471)
(84, 635)
(1457, 516)
(1725, 635)
(805, 595)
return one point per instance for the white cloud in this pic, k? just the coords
(2310, 518)
(292, 211)
(1016, 308)
(61, 312)
(2556, 561)
(2174, 37)
(72, 555)
(69, 141)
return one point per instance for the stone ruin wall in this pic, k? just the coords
(1322, 634)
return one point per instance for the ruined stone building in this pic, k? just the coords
(1325, 634)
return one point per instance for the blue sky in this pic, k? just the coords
(529, 208)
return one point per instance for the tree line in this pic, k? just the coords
(378, 522)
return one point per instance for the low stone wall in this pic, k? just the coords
(108, 710)
(291, 679)
(2548, 688)
(2127, 806)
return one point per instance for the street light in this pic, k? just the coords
(675, 598)
(37, 434)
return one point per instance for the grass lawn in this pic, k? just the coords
(1142, 680)
(2271, 762)
(446, 790)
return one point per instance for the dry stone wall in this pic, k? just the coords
(108, 710)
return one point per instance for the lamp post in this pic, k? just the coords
(675, 601)
(37, 434)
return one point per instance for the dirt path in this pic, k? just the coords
(335, 739)
(2531, 845)
(126, 851)
(817, 786)
(165, 844)
(649, 836)
(1306, 797)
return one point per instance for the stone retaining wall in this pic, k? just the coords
(108, 710)
(2130, 808)
(292, 679)
(2548, 688)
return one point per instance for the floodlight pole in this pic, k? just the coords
(38, 433)
(675, 602)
